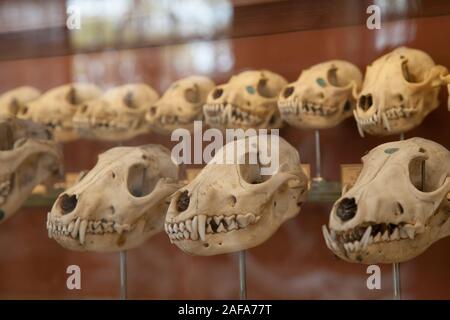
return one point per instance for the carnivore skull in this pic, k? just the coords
(56, 108)
(400, 89)
(116, 116)
(28, 157)
(322, 97)
(12, 102)
(117, 205)
(231, 206)
(398, 206)
(248, 100)
(180, 105)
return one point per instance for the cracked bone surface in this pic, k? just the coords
(248, 100)
(231, 206)
(28, 157)
(180, 105)
(56, 108)
(398, 206)
(118, 204)
(118, 115)
(399, 90)
(14, 101)
(322, 97)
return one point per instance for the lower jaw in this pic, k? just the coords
(107, 242)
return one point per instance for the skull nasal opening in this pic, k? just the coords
(68, 203)
(365, 102)
(288, 91)
(346, 209)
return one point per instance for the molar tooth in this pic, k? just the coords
(209, 229)
(194, 233)
(221, 228)
(395, 234)
(201, 226)
(229, 219)
(251, 218)
(242, 221)
(232, 225)
(403, 234)
(217, 219)
(410, 231)
(186, 234)
(377, 238)
(385, 236)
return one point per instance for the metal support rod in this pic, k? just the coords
(123, 274)
(242, 276)
(318, 176)
(396, 281)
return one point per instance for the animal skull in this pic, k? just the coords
(12, 102)
(230, 206)
(322, 96)
(180, 105)
(398, 206)
(28, 157)
(56, 108)
(119, 204)
(248, 100)
(116, 116)
(400, 89)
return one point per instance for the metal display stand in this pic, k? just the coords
(318, 176)
(242, 276)
(123, 274)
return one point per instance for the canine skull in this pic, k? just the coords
(248, 100)
(56, 108)
(180, 105)
(230, 206)
(118, 115)
(399, 90)
(398, 206)
(322, 96)
(12, 102)
(28, 157)
(119, 204)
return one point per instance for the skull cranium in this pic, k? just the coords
(180, 105)
(322, 97)
(12, 102)
(56, 108)
(231, 206)
(400, 89)
(398, 206)
(117, 205)
(248, 100)
(116, 116)
(28, 157)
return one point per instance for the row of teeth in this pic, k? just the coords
(104, 124)
(5, 189)
(217, 113)
(201, 225)
(306, 107)
(333, 240)
(393, 113)
(78, 228)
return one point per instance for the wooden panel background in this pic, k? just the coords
(294, 263)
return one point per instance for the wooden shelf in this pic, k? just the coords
(255, 18)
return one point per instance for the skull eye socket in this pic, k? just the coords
(288, 91)
(217, 93)
(365, 102)
(140, 182)
(192, 95)
(264, 90)
(250, 169)
(407, 74)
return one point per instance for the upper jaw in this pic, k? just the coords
(224, 114)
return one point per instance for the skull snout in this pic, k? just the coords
(67, 203)
(365, 102)
(346, 209)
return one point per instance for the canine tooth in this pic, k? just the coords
(333, 235)
(366, 236)
(188, 225)
(385, 121)
(395, 235)
(49, 233)
(166, 227)
(76, 228)
(221, 228)
(83, 226)
(186, 234)
(360, 129)
(326, 236)
(201, 226)
(242, 221)
(181, 226)
(194, 233)
(385, 236)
